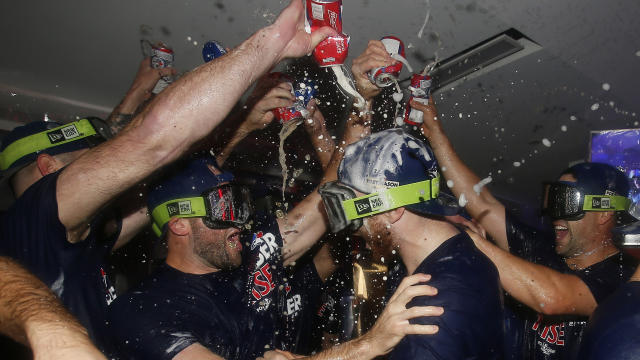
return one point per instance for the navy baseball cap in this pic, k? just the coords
(186, 179)
(392, 158)
(594, 178)
(23, 144)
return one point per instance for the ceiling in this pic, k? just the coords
(76, 58)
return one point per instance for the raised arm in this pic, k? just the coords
(183, 113)
(139, 92)
(31, 314)
(392, 325)
(481, 205)
(541, 288)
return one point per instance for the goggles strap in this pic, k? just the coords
(44, 140)
(606, 203)
(182, 208)
(391, 198)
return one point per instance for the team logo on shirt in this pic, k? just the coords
(110, 291)
(262, 283)
(552, 334)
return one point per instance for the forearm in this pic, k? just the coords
(358, 349)
(480, 203)
(321, 141)
(29, 310)
(541, 288)
(228, 146)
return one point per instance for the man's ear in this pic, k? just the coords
(395, 214)
(47, 164)
(179, 226)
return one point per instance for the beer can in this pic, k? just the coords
(334, 49)
(385, 76)
(161, 57)
(324, 13)
(304, 91)
(212, 50)
(420, 89)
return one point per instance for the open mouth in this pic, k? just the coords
(561, 231)
(234, 240)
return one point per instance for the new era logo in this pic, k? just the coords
(368, 205)
(62, 134)
(179, 208)
(601, 203)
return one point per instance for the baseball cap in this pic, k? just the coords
(392, 158)
(23, 144)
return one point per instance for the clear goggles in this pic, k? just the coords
(93, 130)
(566, 201)
(345, 209)
(221, 207)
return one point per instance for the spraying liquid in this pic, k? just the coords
(347, 85)
(397, 97)
(287, 129)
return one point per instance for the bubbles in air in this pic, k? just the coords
(546, 142)
(606, 87)
(595, 106)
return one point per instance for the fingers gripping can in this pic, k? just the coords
(420, 89)
(385, 76)
(304, 91)
(334, 49)
(161, 57)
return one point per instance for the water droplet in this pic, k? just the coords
(516, 163)
(546, 142)
(595, 106)
(573, 118)
(606, 87)
(563, 128)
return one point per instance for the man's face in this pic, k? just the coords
(218, 248)
(572, 236)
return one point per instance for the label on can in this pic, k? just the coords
(212, 50)
(420, 89)
(161, 57)
(332, 51)
(324, 13)
(385, 76)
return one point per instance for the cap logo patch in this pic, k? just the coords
(601, 203)
(179, 208)
(62, 134)
(368, 205)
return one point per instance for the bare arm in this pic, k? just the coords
(139, 92)
(196, 351)
(392, 325)
(31, 314)
(545, 290)
(482, 206)
(304, 225)
(179, 116)
(321, 140)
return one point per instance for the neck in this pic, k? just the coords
(419, 237)
(592, 256)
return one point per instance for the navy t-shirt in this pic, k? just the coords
(302, 297)
(555, 337)
(613, 331)
(469, 290)
(235, 314)
(33, 234)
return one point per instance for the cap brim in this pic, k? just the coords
(444, 205)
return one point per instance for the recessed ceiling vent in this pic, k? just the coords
(482, 58)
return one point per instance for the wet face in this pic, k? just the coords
(218, 248)
(572, 236)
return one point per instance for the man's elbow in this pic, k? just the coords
(567, 305)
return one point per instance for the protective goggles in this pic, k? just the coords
(345, 210)
(221, 207)
(93, 131)
(566, 201)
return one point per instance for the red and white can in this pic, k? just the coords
(334, 49)
(385, 76)
(303, 91)
(420, 90)
(161, 57)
